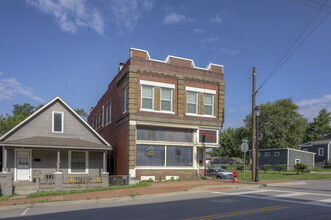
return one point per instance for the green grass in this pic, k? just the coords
(286, 175)
(4, 198)
(67, 192)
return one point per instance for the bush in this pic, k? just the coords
(240, 167)
(225, 166)
(300, 167)
(266, 167)
(281, 167)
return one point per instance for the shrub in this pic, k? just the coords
(266, 167)
(225, 166)
(300, 167)
(281, 167)
(240, 167)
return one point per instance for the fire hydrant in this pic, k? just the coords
(234, 176)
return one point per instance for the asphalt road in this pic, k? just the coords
(310, 201)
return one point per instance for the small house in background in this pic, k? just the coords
(321, 147)
(287, 156)
(53, 141)
(219, 161)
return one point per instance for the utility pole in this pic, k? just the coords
(254, 156)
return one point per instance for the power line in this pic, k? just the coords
(311, 6)
(286, 56)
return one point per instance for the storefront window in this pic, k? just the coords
(150, 155)
(179, 156)
(164, 134)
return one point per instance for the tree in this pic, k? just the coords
(231, 140)
(281, 126)
(81, 112)
(20, 112)
(319, 127)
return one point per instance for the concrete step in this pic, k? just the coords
(24, 188)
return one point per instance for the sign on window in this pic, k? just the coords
(208, 136)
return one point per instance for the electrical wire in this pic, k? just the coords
(287, 55)
(311, 6)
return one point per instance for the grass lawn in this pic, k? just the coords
(286, 175)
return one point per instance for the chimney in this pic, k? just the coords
(120, 66)
(91, 109)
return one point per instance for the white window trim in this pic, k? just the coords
(108, 113)
(141, 97)
(103, 116)
(217, 136)
(156, 111)
(196, 104)
(320, 151)
(212, 105)
(62, 121)
(200, 90)
(267, 154)
(86, 162)
(297, 161)
(157, 84)
(171, 99)
(203, 116)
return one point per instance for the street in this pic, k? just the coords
(309, 201)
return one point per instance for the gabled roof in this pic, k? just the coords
(36, 140)
(323, 140)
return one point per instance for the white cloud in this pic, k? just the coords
(216, 20)
(310, 108)
(11, 88)
(127, 13)
(198, 31)
(175, 18)
(71, 15)
(209, 40)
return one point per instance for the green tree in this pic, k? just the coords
(319, 127)
(81, 112)
(20, 112)
(281, 126)
(231, 140)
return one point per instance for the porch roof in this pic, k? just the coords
(54, 142)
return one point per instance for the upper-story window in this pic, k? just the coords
(166, 99)
(157, 92)
(192, 102)
(108, 113)
(57, 122)
(208, 104)
(147, 97)
(125, 99)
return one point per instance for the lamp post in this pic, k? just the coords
(257, 114)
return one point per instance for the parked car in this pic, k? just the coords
(219, 173)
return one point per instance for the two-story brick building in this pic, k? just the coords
(160, 116)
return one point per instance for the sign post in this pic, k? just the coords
(244, 148)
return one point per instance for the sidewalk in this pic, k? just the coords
(157, 189)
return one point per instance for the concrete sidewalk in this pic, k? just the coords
(156, 190)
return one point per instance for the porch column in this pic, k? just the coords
(4, 159)
(58, 162)
(104, 168)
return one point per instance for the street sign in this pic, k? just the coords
(244, 147)
(245, 140)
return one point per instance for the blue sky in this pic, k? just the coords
(72, 48)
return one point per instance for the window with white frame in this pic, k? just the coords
(147, 97)
(208, 104)
(166, 99)
(108, 113)
(103, 116)
(57, 122)
(192, 102)
(125, 99)
(320, 151)
(78, 161)
(267, 154)
(296, 161)
(277, 153)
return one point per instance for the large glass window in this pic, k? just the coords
(179, 156)
(164, 134)
(58, 122)
(147, 97)
(78, 161)
(166, 99)
(208, 104)
(192, 102)
(150, 155)
(208, 136)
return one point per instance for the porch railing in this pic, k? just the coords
(78, 180)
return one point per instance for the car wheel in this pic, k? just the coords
(219, 177)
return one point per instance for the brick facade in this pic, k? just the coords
(178, 74)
